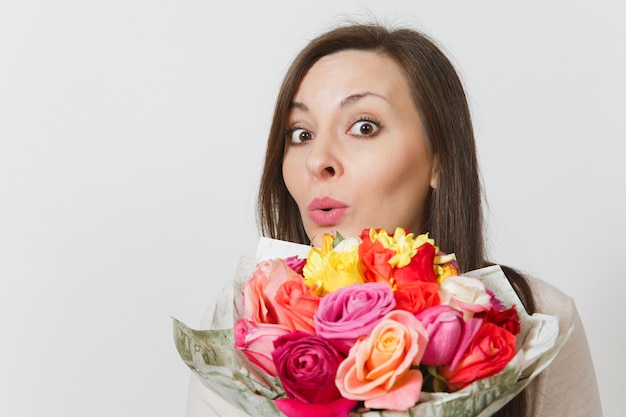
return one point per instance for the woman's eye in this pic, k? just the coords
(364, 128)
(300, 135)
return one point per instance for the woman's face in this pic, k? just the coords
(356, 154)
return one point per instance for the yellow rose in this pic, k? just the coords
(446, 266)
(445, 271)
(328, 269)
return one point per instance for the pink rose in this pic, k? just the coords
(341, 407)
(351, 312)
(295, 263)
(496, 304)
(256, 341)
(379, 369)
(276, 294)
(448, 334)
(307, 365)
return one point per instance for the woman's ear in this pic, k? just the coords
(434, 175)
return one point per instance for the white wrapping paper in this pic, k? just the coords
(223, 369)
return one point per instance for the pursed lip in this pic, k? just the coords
(326, 211)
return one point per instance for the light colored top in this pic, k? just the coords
(567, 387)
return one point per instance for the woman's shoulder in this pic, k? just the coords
(558, 392)
(551, 300)
(546, 290)
(538, 283)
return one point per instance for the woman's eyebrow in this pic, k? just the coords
(298, 106)
(352, 98)
(356, 97)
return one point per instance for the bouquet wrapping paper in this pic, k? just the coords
(227, 372)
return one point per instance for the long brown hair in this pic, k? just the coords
(454, 215)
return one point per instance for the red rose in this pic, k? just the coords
(421, 267)
(507, 319)
(492, 348)
(416, 296)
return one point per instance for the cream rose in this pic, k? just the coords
(465, 294)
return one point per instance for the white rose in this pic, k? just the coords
(465, 294)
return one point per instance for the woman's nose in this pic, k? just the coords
(324, 159)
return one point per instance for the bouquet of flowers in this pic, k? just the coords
(380, 324)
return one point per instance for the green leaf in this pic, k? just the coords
(338, 239)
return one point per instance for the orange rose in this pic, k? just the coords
(378, 369)
(375, 257)
(297, 305)
(276, 294)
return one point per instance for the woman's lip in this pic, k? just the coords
(326, 211)
(326, 203)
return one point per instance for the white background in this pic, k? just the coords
(132, 135)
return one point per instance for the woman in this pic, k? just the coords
(372, 129)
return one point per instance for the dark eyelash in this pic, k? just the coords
(368, 119)
(293, 127)
(288, 132)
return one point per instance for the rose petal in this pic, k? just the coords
(353, 311)
(401, 398)
(256, 341)
(469, 331)
(354, 375)
(294, 408)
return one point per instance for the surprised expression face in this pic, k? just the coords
(357, 155)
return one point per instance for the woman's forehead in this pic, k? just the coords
(344, 75)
